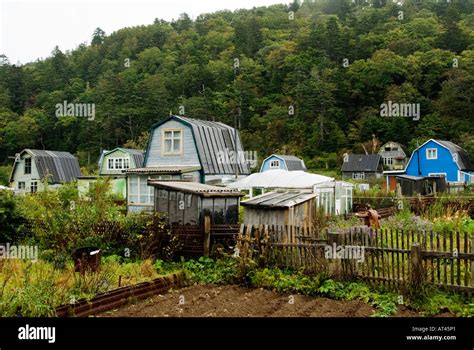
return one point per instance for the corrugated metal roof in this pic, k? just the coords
(279, 199)
(137, 155)
(61, 166)
(163, 170)
(361, 162)
(292, 163)
(212, 139)
(195, 188)
(464, 160)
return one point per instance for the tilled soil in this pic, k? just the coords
(233, 301)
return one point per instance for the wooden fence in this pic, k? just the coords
(394, 258)
(199, 240)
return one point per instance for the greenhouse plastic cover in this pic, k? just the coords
(280, 179)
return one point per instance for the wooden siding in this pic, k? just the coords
(20, 176)
(189, 156)
(300, 215)
(443, 164)
(116, 154)
(266, 164)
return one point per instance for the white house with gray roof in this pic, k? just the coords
(32, 166)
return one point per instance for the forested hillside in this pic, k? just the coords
(308, 79)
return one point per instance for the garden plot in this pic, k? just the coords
(201, 300)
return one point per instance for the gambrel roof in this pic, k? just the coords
(60, 166)
(292, 162)
(138, 155)
(211, 139)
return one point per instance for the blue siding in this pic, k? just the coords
(189, 156)
(266, 164)
(443, 164)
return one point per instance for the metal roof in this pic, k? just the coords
(137, 155)
(60, 166)
(464, 160)
(212, 139)
(361, 162)
(292, 163)
(163, 170)
(196, 188)
(279, 199)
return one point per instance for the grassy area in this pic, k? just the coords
(33, 289)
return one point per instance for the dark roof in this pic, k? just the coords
(212, 139)
(464, 160)
(361, 162)
(292, 162)
(61, 166)
(196, 188)
(279, 199)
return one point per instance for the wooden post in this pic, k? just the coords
(416, 271)
(472, 261)
(207, 235)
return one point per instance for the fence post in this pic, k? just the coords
(472, 261)
(416, 271)
(207, 235)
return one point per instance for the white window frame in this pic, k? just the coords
(358, 176)
(21, 185)
(118, 163)
(173, 140)
(34, 186)
(388, 161)
(435, 153)
(138, 194)
(274, 164)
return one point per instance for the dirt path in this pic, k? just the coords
(234, 301)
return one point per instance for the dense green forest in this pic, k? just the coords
(307, 78)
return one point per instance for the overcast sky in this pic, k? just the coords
(30, 29)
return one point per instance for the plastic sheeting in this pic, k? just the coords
(280, 179)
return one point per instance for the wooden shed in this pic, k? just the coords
(423, 185)
(189, 202)
(295, 208)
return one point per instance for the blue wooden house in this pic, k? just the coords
(185, 149)
(284, 162)
(441, 158)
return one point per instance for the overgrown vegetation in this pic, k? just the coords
(33, 289)
(60, 221)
